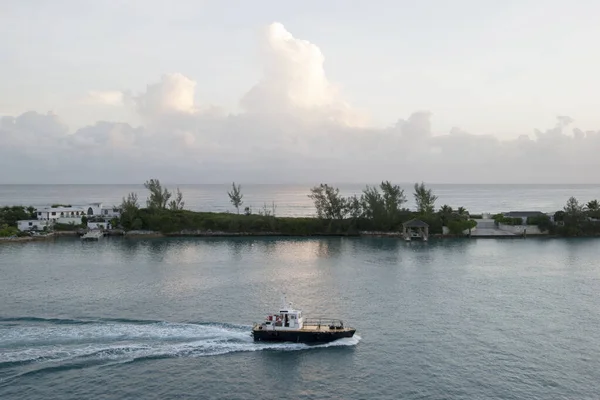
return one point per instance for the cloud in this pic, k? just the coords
(174, 94)
(294, 82)
(295, 126)
(108, 97)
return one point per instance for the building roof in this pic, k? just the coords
(77, 207)
(523, 214)
(60, 209)
(415, 223)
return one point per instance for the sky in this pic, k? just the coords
(313, 91)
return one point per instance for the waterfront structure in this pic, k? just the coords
(54, 213)
(68, 214)
(87, 210)
(415, 229)
(32, 225)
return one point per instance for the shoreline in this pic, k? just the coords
(207, 234)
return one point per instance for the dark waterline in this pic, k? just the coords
(170, 318)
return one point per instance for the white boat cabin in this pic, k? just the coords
(286, 319)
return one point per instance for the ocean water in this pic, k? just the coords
(292, 200)
(170, 319)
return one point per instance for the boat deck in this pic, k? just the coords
(323, 328)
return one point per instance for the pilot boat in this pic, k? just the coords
(288, 325)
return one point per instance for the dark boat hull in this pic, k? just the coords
(301, 336)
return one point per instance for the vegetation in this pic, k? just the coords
(235, 196)
(425, 199)
(71, 226)
(380, 208)
(576, 219)
(8, 231)
(10, 215)
(458, 226)
(178, 203)
(159, 197)
(501, 219)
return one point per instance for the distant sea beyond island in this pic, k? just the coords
(292, 200)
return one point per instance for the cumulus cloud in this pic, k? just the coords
(295, 126)
(107, 97)
(295, 82)
(174, 94)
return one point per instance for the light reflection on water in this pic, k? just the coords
(496, 319)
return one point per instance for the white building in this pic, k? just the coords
(88, 210)
(110, 212)
(32, 224)
(54, 213)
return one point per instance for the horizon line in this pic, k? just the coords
(306, 183)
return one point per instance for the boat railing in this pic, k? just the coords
(336, 323)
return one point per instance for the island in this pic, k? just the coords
(377, 211)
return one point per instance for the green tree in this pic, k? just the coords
(384, 209)
(355, 209)
(177, 203)
(129, 210)
(235, 196)
(10, 215)
(573, 210)
(457, 227)
(462, 212)
(446, 209)
(445, 214)
(425, 199)
(593, 209)
(593, 205)
(159, 197)
(574, 218)
(393, 199)
(329, 204)
(32, 212)
(130, 203)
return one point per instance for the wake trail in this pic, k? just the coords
(36, 345)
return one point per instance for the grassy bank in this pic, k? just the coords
(185, 222)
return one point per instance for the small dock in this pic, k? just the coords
(415, 229)
(92, 235)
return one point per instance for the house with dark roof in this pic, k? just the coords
(416, 229)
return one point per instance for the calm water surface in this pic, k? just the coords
(292, 200)
(170, 319)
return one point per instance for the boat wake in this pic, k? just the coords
(60, 343)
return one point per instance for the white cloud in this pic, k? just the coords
(108, 97)
(295, 127)
(174, 94)
(294, 82)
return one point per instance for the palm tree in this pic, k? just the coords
(445, 213)
(446, 209)
(593, 205)
(593, 209)
(462, 211)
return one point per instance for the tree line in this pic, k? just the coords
(377, 208)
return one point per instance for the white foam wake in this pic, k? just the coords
(126, 342)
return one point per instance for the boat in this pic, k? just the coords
(288, 325)
(92, 235)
